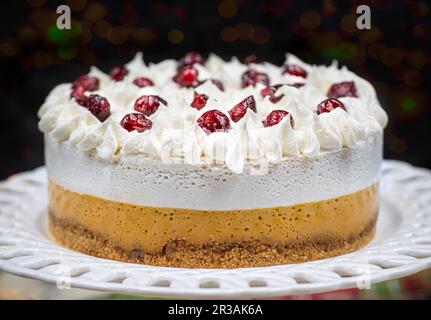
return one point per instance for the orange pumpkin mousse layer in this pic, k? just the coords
(212, 239)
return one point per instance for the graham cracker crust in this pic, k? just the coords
(229, 254)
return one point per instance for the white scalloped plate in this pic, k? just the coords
(402, 247)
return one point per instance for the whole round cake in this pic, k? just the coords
(205, 163)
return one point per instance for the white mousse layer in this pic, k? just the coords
(148, 182)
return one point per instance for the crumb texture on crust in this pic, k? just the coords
(212, 239)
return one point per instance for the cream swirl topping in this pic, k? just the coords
(175, 135)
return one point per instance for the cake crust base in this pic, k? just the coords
(183, 254)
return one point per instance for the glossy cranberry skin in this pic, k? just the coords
(187, 77)
(295, 70)
(88, 83)
(270, 91)
(80, 97)
(237, 112)
(275, 117)
(251, 58)
(191, 58)
(199, 101)
(148, 104)
(214, 121)
(342, 89)
(330, 104)
(99, 107)
(252, 77)
(136, 121)
(118, 72)
(143, 82)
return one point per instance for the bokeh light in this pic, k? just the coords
(419, 32)
(95, 12)
(229, 34)
(348, 24)
(117, 35)
(27, 35)
(391, 56)
(42, 59)
(175, 36)
(375, 50)
(412, 77)
(408, 104)
(36, 3)
(76, 5)
(67, 51)
(102, 28)
(417, 58)
(260, 35)
(144, 36)
(244, 30)
(9, 47)
(228, 8)
(397, 144)
(369, 36)
(418, 9)
(310, 19)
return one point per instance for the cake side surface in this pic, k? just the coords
(152, 183)
(196, 238)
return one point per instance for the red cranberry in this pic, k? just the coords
(187, 77)
(80, 97)
(295, 70)
(218, 84)
(330, 104)
(270, 91)
(143, 82)
(252, 77)
(99, 107)
(118, 72)
(189, 59)
(275, 117)
(237, 112)
(148, 104)
(199, 101)
(214, 121)
(136, 121)
(88, 83)
(342, 89)
(252, 58)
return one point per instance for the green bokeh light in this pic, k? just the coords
(64, 35)
(330, 52)
(55, 34)
(408, 104)
(67, 51)
(343, 51)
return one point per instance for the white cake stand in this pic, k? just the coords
(402, 247)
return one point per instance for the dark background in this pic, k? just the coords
(394, 55)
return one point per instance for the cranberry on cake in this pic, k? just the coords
(206, 163)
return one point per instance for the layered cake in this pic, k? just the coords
(206, 163)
